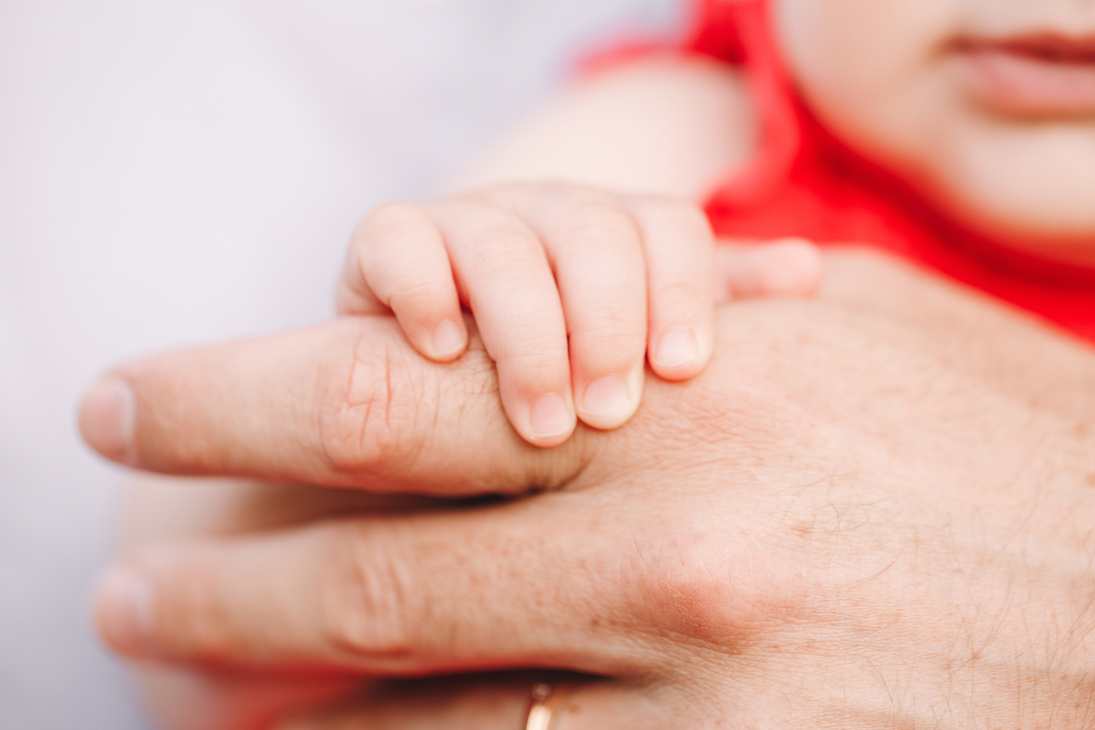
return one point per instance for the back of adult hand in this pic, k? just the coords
(872, 510)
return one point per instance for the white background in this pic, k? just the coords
(181, 172)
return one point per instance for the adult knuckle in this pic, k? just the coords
(368, 409)
(719, 592)
(683, 583)
(194, 623)
(366, 592)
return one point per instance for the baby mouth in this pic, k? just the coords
(1036, 75)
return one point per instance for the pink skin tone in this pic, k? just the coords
(573, 290)
(1039, 75)
(891, 531)
(987, 105)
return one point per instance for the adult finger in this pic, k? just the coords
(345, 403)
(489, 587)
(507, 281)
(397, 262)
(493, 703)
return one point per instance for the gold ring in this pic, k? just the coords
(546, 699)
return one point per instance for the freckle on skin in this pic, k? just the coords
(1090, 479)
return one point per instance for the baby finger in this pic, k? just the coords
(501, 268)
(680, 250)
(398, 259)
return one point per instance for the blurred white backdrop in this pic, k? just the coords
(174, 173)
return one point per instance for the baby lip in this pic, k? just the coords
(1045, 47)
(1044, 75)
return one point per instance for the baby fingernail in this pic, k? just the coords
(448, 339)
(605, 402)
(676, 347)
(550, 416)
(124, 604)
(106, 418)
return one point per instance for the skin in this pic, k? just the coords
(571, 287)
(894, 506)
(592, 265)
(923, 557)
(889, 81)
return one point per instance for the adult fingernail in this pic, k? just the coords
(550, 416)
(123, 607)
(675, 348)
(448, 339)
(606, 402)
(106, 418)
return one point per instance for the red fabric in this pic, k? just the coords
(804, 182)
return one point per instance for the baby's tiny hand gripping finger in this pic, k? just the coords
(398, 262)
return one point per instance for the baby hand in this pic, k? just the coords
(572, 289)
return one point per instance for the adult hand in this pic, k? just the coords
(349, 404)
(872, 510)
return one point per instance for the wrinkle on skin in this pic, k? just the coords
(364, 600)
(928, 592)
(356, 423)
